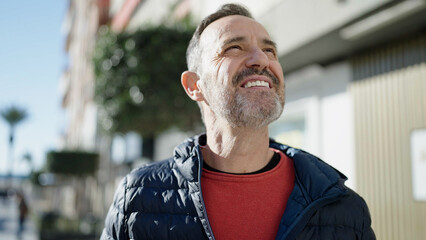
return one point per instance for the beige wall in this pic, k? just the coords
(387, 107)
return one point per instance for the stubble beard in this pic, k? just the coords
(254, 110)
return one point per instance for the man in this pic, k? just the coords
(234, 182)
(23, 212)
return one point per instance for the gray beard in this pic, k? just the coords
(248, 114)
(241, 112)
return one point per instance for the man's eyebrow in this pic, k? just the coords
(265, 41)
(233, 40)
(270, 42)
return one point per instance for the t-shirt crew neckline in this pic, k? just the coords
(223, 176)
(271, 165)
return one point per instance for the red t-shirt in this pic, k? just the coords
(247, 206)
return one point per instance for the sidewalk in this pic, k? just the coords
(9, 223)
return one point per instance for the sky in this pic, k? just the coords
(32, 59)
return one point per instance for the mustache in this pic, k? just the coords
(253, 71)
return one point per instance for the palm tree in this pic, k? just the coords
(29, 159)
(13, 115)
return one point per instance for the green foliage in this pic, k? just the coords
(138, 81)
(13, 115)
(72, 162)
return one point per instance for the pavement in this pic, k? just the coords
(9, 222)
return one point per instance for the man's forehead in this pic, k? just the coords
(231, 27)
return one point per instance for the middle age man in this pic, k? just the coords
(234, 182)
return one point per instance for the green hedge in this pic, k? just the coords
(72, 162)
(53, 226)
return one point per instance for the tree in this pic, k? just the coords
(13, 115)
(138, 81)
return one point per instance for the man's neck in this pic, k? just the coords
(237, 150)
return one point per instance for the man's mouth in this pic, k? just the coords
(253, 78)
(257, 83)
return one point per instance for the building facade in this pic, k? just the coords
(355, 75)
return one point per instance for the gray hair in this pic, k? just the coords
(193, 52)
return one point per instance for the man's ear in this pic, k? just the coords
(189, 83)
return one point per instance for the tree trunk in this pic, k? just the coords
(10, 160)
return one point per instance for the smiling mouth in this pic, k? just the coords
(257, 83)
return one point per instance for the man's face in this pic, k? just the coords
(241, 78)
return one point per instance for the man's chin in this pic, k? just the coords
(256, 117)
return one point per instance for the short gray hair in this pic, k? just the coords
(193, 52)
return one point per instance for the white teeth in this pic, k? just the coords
(256, 84)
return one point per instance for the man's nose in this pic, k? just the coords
(257, 59)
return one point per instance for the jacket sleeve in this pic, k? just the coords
(367, 233)
(115, 221)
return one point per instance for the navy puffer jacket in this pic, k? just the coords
(164, 201)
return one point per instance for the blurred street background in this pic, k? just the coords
(90, 89)
(9, 223)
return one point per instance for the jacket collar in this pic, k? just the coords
(315, 176)
(188, 158)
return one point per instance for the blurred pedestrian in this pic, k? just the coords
(23, 212)
(234, 182)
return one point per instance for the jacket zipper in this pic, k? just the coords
(207, 228)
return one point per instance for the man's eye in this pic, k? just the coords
(233, 47)
(270, 51)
